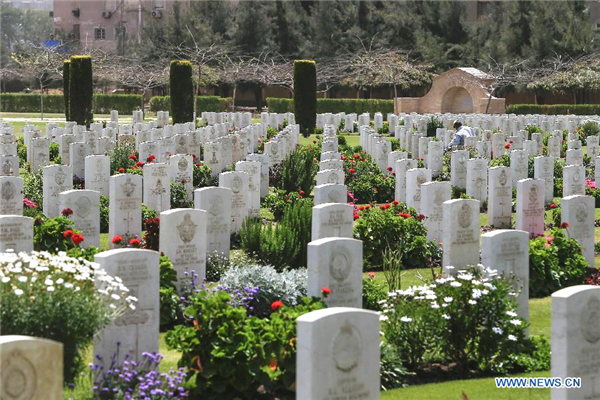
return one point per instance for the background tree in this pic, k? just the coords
(182, 91)
(305, 95)
(81, 90)
(141, 75)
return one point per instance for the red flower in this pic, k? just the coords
(117, 239)
(135, 242)
(395, 202)
(325, 291)
(507, 146)
(352, 170)
(361, 208)
(564, 225)
(356, 216)
(276, 305)
(301, 192)
(404, 215)
(77, 238)
(273, 365)
(386, 206)
(382, 207)
(66, 212)
(356, 156)
(393, 174)
(139, 164)
(362, 159)
(389, 169)
(68, 233)
(420, 217)
(343, 158)
(121, 170)
(511, 141)
(552, 205)
(371, 274)
(133, 157)
(197, 164)
(134, 167)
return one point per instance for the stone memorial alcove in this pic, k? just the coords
(457, 91)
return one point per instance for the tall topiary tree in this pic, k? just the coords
(81, 89)
(182, 91)
(66, 71)
(305, 95)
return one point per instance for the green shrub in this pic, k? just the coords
(123, 103)
(180, 80)
(171, 311)
(62, 303)
(33, 188)
(201, 176)
(282, 245)
(468, 320)
(204, 103)
(232, 355)
(365, 180)
(554, 109)
(104, 212)
(555, 262)
(305, 95)
(55, 103)
(52, 234)
(359, 106)
(287, 286)
(81, 89)
(120, 159)
(66, 66)
(298, 169)
(396, 227)
(279, 201)
(432, 124)
(179, 196)
(373, 293)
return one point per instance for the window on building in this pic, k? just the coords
(483, 8)
(598, 25)
(76, 31)
(100, 33)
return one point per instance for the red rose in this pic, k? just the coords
(325, 291)
(301, 192)
(197, 164)
(507, 146)
(68, 233)
(343, 158)
(382, 207)
(389, 169)
(135, 242)
(371, 274)
(395, 202)
(361, 208)
(362, 159)
(139, 164)
(552, 205)
(356, 216)
(117, 239)
(66, 212)
(352, 170)
(77, 238)
(121, 170)
(151, 157)
(133, 157)
(420, 217)
(564, 225)
(276, 305)
(356, 156)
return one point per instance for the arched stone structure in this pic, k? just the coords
(458, 91)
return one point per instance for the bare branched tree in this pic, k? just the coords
(40, 64)
(141, 75)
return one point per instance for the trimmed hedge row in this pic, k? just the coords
(348, 106)
(204, 103)
(554, 109)
(54, 103)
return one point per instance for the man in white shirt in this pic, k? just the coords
(461, 133)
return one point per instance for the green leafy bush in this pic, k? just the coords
(55, 103)
(365, 180)
(179, 196)
(201, 176)
(231, 355)
(280, 200)
(305, 95)
(180, 80)
(33, 188)
(54, 234)
(432, 124)
(555, 262)
(287, 286)
(396, 227)
(120, 159)
(554, 109)
(469, 320)
(358, 106)
(81, 90)
(373, 293)
(104, 212)
(203, 103)
(298, 169)
(171, 311)
(282, 245)
(63, 302)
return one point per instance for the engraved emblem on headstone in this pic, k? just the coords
(347, 348)
(7, 168)
(214, 158)
(59, 177)
(590, 321)
(576, 176)
(83, 205)
(438, 197)
(339, 268)
(182, 164)
(581, 213)
(236, 185)
(187, 229)
(8, 191)
(533, 193)
(334, 196)
(333, 178)
(503, 178)
(159, 189)
(464, 216)
(275, 149)
(461, 166)
(128, 187)
(19, 379)
(216, 206)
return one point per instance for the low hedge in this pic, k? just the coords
(54, 103)
(554, 109)
(205, 103)
(358, 106)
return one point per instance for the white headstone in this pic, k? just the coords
(125, 206)
(157, 186)
(530, 206)
(332, 220)
(578, 213)
(11, 195)
(433, 196)
(461, 235)
(85, 205)
(16, 233)
(238, 182)
(56, 178)
(217, 202)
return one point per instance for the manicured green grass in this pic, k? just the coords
(352, 140)
(470, 389)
